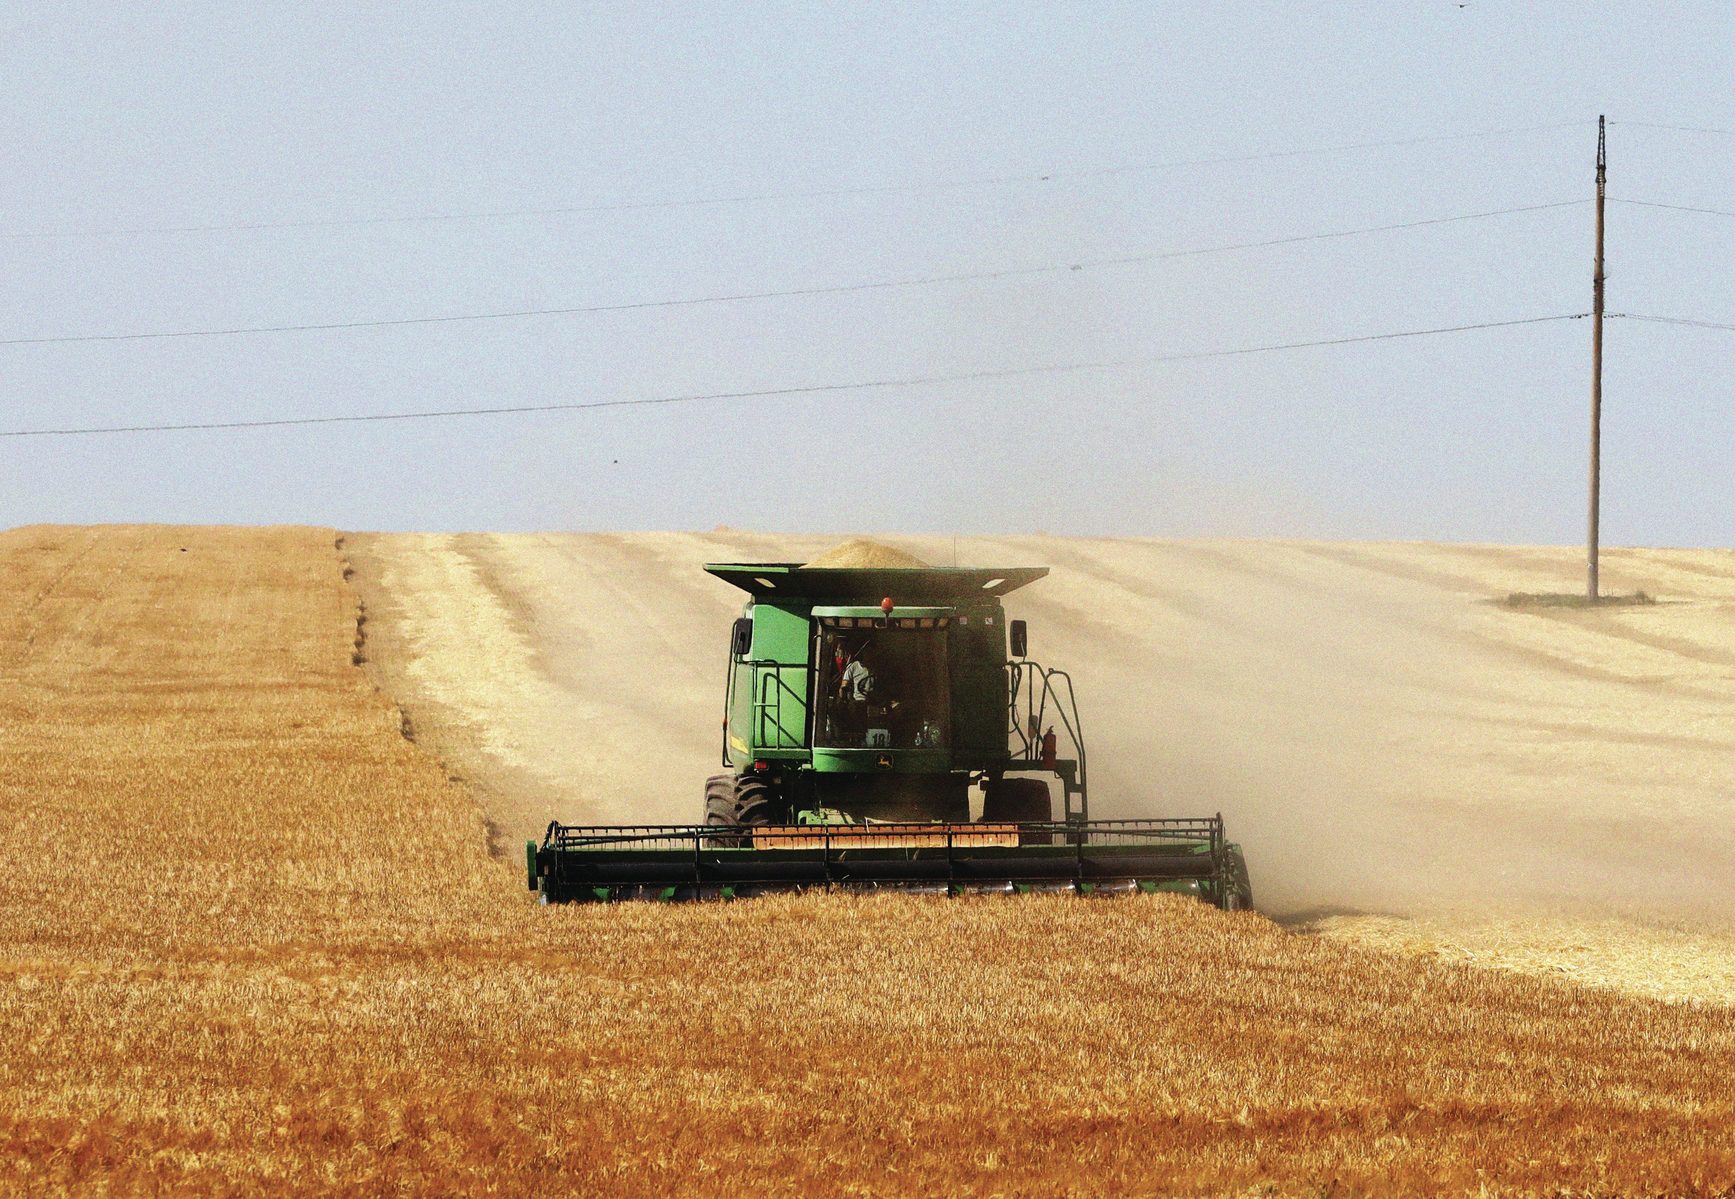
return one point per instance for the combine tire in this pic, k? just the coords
(1240, 892)
(755, 800)
(720, 800)
(1018, 801)
(736, 803)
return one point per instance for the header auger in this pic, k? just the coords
(864, 709)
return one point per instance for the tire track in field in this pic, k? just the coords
(29, 624)
(1693, 651)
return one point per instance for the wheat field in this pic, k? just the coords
(252, 938)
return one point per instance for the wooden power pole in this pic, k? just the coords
(1591, 545)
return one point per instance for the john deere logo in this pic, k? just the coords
(883, 762)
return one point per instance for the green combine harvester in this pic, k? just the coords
(865, 707)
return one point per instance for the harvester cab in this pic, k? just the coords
(883, 694)
(886, 727)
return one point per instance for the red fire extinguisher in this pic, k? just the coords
(1048, 750)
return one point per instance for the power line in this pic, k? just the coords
(772, 196)
(1674, 128)
(739, 297)
(1337, 149)
(1287, 241)
(806, 389)
(1671, 320)
(1673, 207)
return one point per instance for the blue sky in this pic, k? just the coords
(126, 117)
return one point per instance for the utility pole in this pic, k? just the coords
(1591, 546)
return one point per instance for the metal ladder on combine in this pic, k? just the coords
(770, 690)
(1037, 696)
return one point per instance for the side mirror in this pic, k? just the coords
(741, 638)
(1020, 639)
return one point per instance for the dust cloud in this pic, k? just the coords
(1382, 738)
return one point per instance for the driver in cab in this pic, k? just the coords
(858, 689)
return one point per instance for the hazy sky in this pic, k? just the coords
(130, 117)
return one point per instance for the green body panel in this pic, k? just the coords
(978, 652)
(769, 714)
(872, 761)
(781, 633)
(768, 696)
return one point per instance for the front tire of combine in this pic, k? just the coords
(720, 799)
(755, 800)
(720, 809)
(1239, 897)
(732, 802)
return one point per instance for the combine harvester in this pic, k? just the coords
(865, 706)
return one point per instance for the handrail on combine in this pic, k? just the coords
(768, 703)
(1028, 726)
(769, 689)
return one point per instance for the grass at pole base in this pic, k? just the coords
(1559, 599)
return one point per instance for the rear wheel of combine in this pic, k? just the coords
(1240, 891)
(720, 800)
(1019, 801)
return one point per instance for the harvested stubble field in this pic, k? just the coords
(252, 938)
